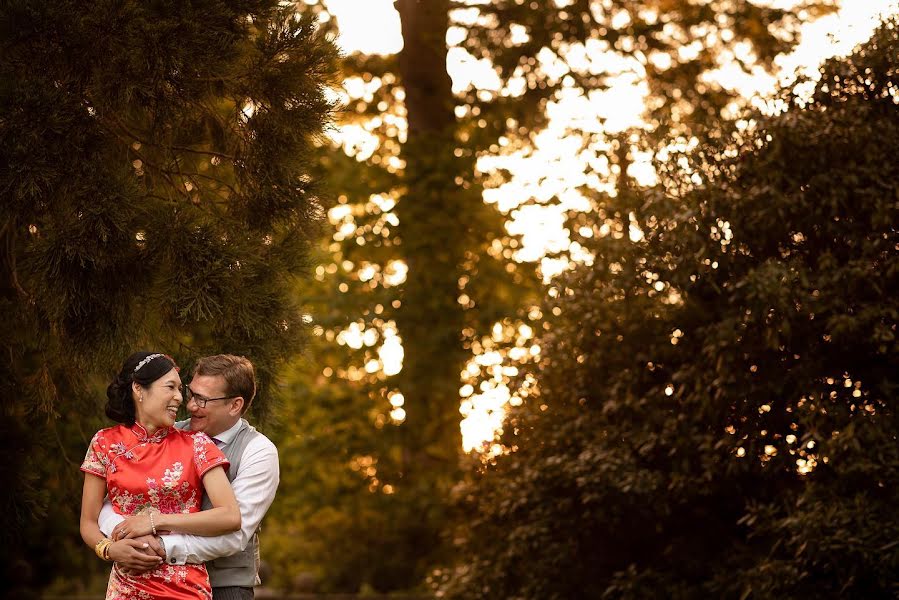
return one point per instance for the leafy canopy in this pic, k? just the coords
(714, 412)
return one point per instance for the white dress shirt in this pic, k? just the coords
(254, 487)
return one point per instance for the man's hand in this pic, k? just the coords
(157, 546)
(136, 556)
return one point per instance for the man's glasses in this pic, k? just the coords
(200, 399)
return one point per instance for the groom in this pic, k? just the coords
(222, 388)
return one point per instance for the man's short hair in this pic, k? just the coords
(237, 371)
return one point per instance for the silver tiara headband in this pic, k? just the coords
(145, 361)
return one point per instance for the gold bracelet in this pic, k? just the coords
(98, 548)
(102, 548)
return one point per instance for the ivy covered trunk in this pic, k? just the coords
(432, 237)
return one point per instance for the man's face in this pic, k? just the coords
(218, 415)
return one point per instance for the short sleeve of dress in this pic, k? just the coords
(96, 461)
(206, 455)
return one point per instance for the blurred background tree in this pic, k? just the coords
(155, 168)
(713, 414)
(420, 274)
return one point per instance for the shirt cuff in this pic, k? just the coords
(176, 551)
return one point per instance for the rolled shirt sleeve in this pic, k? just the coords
(109, 518)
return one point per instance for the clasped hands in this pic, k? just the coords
(136, 556)
(134, 547)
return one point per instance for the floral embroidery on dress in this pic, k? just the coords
(172, 497)
(122, 587)
(95, 460)
(202, 445)
(155, 472)
(167, 498)
(127, 503)
(121, 449)
(173, 573)
(172, 476)
(126, 587)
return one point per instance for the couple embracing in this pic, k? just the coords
(161, 497)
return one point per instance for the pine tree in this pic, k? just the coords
(156, 193)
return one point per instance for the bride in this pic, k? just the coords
(155, 476)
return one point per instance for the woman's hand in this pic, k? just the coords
(135, 556)
(132, 527)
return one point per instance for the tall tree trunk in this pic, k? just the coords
(433, 236)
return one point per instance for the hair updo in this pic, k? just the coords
(119, 400)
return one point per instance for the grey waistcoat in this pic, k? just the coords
(241, 569)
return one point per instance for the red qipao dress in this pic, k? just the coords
(165, 472)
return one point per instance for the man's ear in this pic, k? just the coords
(236, 406)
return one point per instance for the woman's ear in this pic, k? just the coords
(137, 391)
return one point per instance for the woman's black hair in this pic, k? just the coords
(119, 401)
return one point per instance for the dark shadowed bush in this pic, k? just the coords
(715, 408)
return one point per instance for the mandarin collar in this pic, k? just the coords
(142, 436)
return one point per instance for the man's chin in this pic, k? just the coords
(197, 423)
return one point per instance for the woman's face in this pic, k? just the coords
(157, 405)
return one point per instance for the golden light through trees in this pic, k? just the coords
(547, 176)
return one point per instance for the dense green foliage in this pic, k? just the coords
(156, 193)
(715, 414)
(371, 491)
